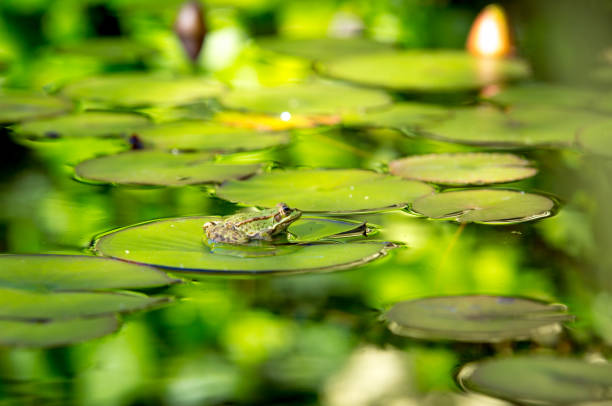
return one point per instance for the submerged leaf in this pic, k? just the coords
(475, 318)
(476, 168)
(321, 190)
(488, 206)
(160, 168)
(597, 138)
(177, 244)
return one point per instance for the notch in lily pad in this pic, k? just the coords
(177, 244)
(85, 124)
(476, 318)
(20, 105)
(485, 206)
(157, 168)
(539, 380)
(325, 190)
(462, 169)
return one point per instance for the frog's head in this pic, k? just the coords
(284, 216)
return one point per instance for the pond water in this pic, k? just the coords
(452, 246)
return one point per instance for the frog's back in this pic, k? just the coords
(226, 233)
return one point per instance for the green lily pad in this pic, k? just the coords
(55, 333)
(539, 380)
(321, 190)
(19, 105)
(75, 272)
(533, 125)
(488, 206)
(305, 98)
(597, 138)
(110, 50)
(403, 116)
(160, 168)
(208, 136)
(545, 95)
(475, 318)
(424, 71)
(134, 89)
(322, 48)
(476, 168)
(87, 124)
(177, 244)
(18, 304)
(317, 228)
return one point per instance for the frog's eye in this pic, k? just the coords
(284, 209)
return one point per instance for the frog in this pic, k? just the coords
(243, 228)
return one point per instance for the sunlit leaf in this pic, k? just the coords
(424, 71)
(539, 380)
(55, 333)
(475, 318)
(322, 48)
(320, 190)
(75, 272)
(177, 244)
(477, 168)
(160, 168)
(134, 89)
(208, 136)
(490, 206)
(269, 122)
(19, 105)
(87, 124)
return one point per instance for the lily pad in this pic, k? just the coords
(539, 380)
(54, 333)
(19, 105)
(424, 71)
(317, 228)
(321, 190)
(177, 244)
(403, 116)
(160, 168)
(133, 89)
(110, 50)
(75, 272)
(87, 124)
(305, 98)
(18, 304)
(268, 122)
(533, 125)
(322, 48)
(546, 95)
(488, 206)
(597, 138)
(476, 318)
(476, 168)
(207, 136)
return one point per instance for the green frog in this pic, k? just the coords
(242, 228)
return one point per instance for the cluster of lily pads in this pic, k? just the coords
(180, 148)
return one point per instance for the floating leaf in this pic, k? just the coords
(322, 48)
(55, 333)
(541, 94)
(402, 116)
(488, 206)
(597, 138)
(208, 136)
(424, 71)
(267, 122)
(160, 168)
(110, 49)
(475, 318)
(133, 89)
(317, 228)
(539, 380)
(321, 190)
(75, 272)
(533, 125)
(476, 168)
(19, 105)
(177, 244)
(305, 98)
(87, 124)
